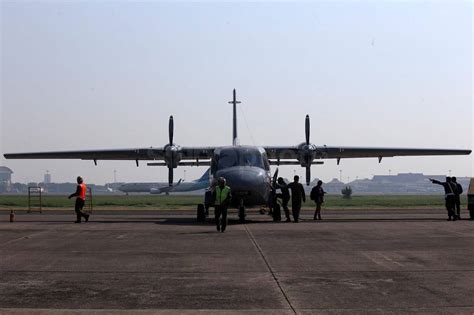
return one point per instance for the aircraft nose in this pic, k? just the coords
(245, 178)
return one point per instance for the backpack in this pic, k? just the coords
(313, 193)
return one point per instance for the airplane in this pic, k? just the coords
(158, 188)
(246, 168)
(152, 188)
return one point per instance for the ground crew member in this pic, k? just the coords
(449, 194)
(284, 196)
(457, 197)
(80, 195)
(222, 198)
(208, 196)
(317, 195)
(297, 194)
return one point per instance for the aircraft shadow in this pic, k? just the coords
(209, 221)
(190, 221)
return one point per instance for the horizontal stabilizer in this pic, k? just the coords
(183, 163)
(295, 162)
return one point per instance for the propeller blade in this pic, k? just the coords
(170, 176)
(308, 175)
(275, 176)
(306, 129)
(171, 130)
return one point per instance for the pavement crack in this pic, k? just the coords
(24, 237)
(272, 272)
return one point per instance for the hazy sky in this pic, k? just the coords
(94, 75)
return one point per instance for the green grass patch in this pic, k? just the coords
(190, 202)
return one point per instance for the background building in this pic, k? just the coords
(47, 178)
(5, 179)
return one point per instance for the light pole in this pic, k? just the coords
(184, 176)
(389, 172)
(115, 176)
(340, 175)
(449, 172)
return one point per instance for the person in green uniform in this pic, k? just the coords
(222, 198)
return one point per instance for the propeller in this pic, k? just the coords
(170, 176)
(275, 177)
(171, 130)
(307, 129)
(307, 150)
(309, 159)
(170, 134)
(308, 174)
(171, 152)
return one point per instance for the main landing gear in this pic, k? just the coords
(201, 213)
(242, 211)
(203, 210)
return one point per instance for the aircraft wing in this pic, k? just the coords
(186, 153)
(326, 152)
(355, 152)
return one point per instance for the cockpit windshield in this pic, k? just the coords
(239, 157)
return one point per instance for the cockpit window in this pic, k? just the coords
(239, 157)
(227, 158)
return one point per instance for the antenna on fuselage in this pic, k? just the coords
(234, 102)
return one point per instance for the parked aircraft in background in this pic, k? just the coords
(246, 168)
(159, 188)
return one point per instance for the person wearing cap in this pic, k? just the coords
(209, 196)
(317, 195)
(457, 197)
(449, 196)
(284, 196)
(80, 195)
(222, 199)
(297, 195)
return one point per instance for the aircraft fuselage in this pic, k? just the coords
(247, 173)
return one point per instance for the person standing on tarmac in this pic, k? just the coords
(317, 195)
(457, 197)
(209, 196)
(449, 192)
(222, 198)
(297, 195)
(80, 195)
(285, 197)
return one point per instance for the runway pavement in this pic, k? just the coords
(163, 262)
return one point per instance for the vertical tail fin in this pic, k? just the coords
(234, 102)
(204, 177)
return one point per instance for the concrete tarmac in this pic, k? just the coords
(163, 262)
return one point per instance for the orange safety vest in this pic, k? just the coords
(82, 194)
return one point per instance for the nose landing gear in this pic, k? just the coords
(242, 211)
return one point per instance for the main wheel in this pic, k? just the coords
(201, 213)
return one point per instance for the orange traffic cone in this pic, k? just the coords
(12, 216)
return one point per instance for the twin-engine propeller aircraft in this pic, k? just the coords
(246, 168)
